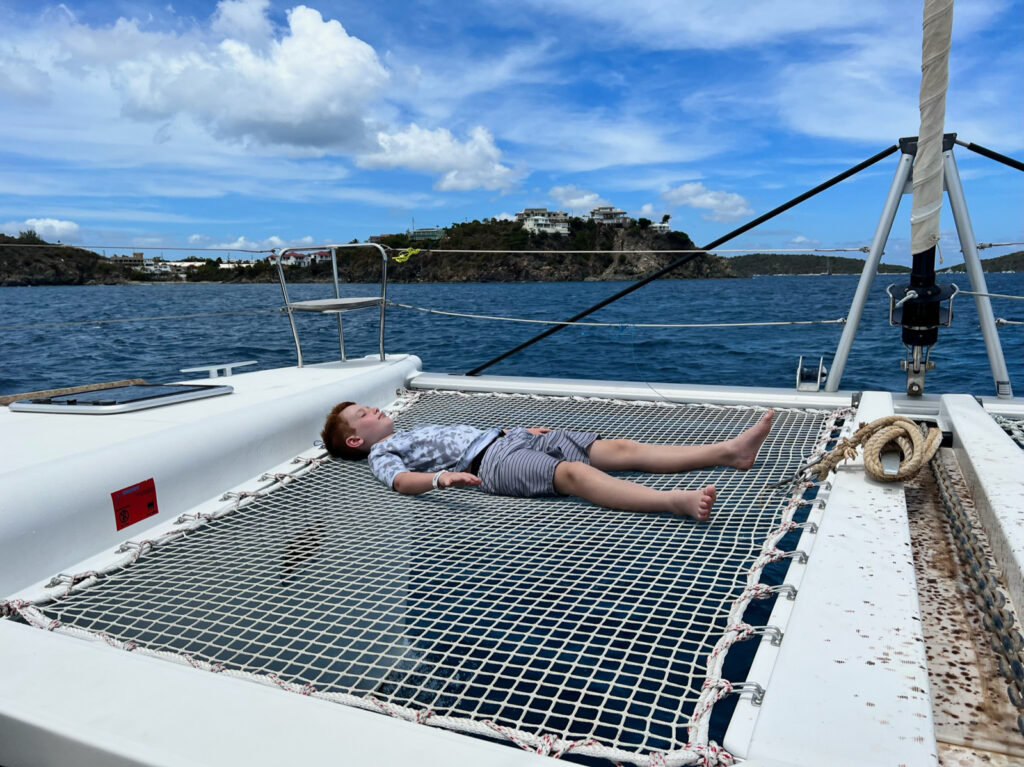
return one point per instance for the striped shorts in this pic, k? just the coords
(522, 464)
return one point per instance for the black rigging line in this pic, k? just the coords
(1016, 164)
(690, 256)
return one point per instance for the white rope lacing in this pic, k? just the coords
(545, 744)
(1013, 427)
(715, 687)
(498, 318)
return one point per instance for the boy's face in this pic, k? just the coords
(369, 424)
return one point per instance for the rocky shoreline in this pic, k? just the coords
(616, 255)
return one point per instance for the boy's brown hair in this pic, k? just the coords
(336, 431)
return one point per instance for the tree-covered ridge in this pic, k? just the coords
(617, 253)
(803, 263)
(29, 260)
(1011, 262)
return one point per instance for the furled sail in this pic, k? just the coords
(924, 215)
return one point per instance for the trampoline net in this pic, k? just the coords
(543, 615)
(1014, 428)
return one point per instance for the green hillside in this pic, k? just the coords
(1011, 262)
(802, 263)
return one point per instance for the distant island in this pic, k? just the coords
(28, 260)
(1011, 262)
(764, 264)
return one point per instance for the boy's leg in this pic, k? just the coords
(628, 455)
(592, 484)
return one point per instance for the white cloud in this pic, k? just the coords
(311, 87)
(270, 243)
(865, 86)
(504, 216)
(231, 100)
(867, 93)
(48, 228)
(559, 138)
(469, 164)
(576, 200)
(439, 82)
(803, 242)
(308, 84)
(243, 20)
(711, 24)
(722, 206)
(21, 79)
(198, 239)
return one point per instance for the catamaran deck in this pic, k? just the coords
(560, 627)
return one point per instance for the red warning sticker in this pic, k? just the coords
(135, 503)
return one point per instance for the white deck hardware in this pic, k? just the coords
(851, 668)
(810, 379)
(337, 305)
(215, 370)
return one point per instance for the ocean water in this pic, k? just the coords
(35, 355)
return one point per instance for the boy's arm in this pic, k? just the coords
(418, 482)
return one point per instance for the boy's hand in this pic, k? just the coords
(538, 430)
(458, 479)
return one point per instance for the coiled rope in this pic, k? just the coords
(881, 436)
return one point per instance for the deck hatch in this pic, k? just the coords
(120, 399)
(546, 616)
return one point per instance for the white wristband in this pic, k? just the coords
(436, 478)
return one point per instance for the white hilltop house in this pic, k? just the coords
(301, 258)
(608, 214)
(660, 228)
(544, 221)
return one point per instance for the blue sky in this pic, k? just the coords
(258, 123)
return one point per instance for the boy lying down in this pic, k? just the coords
(528, 462)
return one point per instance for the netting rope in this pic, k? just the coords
(662, 556)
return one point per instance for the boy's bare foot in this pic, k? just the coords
(743, 449)
(695, 504)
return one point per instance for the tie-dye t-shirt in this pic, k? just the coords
(424, 448)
